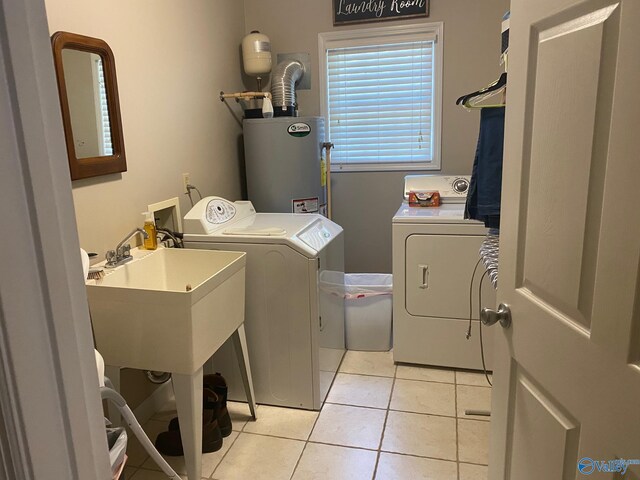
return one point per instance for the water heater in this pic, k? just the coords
(285, 168)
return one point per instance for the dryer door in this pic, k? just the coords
(438, 273)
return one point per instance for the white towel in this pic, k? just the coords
(100, 367)
(85, 264)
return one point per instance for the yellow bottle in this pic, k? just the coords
(151, 242)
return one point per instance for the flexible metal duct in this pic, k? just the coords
(283, 83)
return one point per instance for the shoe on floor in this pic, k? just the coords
(170, 443)
(217, 383)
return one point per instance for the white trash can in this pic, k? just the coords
(368, 311)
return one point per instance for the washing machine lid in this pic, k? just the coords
(214, 219)
(445, 213)
(270, 225)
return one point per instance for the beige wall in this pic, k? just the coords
(365, 202)
(172, 59)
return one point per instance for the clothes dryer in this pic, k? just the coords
(435, 251)
(294, 316)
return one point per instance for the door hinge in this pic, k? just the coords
(318, 263)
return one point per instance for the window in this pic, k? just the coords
(102, 108)
(381, 97)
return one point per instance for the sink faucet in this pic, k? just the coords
(122, 253)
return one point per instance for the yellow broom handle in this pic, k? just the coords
(328, 146)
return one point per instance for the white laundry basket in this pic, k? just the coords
(368, 311)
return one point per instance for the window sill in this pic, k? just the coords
(367, 167)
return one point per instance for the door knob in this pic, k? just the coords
(503, 315)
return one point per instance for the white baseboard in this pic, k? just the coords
(154, 402)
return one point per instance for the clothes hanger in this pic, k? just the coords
(474, 103)
(484, 93)
(489, 88)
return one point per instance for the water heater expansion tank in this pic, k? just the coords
(256, 54)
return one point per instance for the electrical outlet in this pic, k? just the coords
(186, 181)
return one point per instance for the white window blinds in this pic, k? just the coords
(380, 102)
(105, 124)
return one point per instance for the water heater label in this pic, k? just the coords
(299, 129)
(260, 46)
(304, 205)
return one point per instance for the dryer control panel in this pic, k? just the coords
(212, 213)
(453, 189)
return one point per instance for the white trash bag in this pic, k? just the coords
(368, 311)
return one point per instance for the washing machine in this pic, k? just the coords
(294, 312)
(435, 251)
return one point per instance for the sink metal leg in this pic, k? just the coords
(113, 374)
(240, 343)
(188, 391)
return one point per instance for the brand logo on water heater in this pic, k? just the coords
(299, 129)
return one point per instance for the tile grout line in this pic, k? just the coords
(258, 434)
(384, 425)
(413, 455)
(232, 444)
(306, 442)
(227, 452)
(423, 380)
(363, 374)
(295, 467)
(466, 462)
(352, 447)
(333, 381)
(404, 378)
(359, 406)
(477, 419)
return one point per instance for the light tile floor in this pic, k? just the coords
(380, 421)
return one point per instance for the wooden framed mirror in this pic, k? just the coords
(88, 88)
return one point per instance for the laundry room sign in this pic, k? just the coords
(359, 11)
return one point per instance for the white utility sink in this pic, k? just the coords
(161, 311)
(169, 310)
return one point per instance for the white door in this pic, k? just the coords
(51, 421)
(567, 372)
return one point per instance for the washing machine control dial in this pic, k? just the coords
(220, 211)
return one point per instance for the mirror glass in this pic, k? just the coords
(88, 88)
(88, 106)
